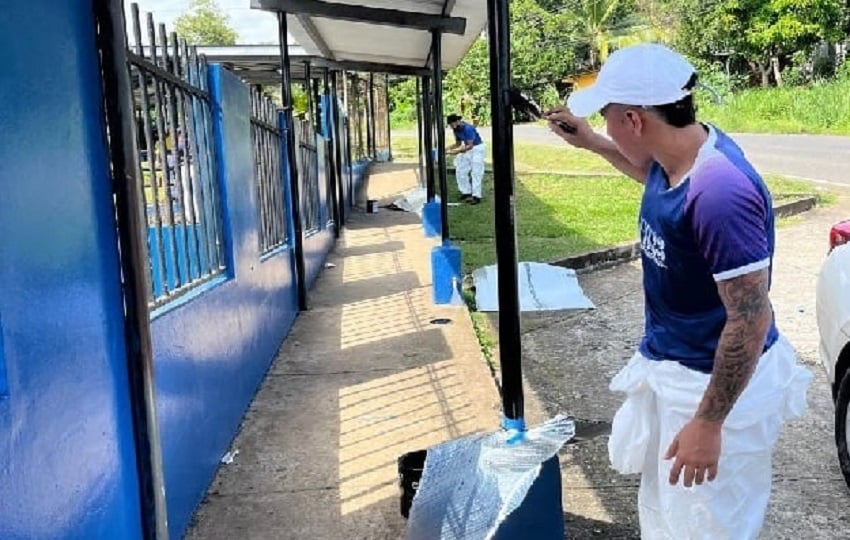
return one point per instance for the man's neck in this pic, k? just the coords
(677, 150)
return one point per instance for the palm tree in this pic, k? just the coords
(601, 30)
(594, 20)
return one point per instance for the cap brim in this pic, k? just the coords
(584, 103)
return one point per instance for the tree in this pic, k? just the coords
(765, 33)
(205, 24)
(541, 57)
(594, 20)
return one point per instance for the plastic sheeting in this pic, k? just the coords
(470, 485)
(662, 396)
(413, 201)
(542, 287)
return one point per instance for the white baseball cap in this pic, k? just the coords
(643, 75)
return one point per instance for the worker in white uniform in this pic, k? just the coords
(469, 152)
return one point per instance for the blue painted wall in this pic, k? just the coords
(318, 243)
(212, 352)
(67, 460)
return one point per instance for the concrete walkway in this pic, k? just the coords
(363, 378)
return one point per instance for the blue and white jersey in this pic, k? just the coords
(465, 132)
(716, 224)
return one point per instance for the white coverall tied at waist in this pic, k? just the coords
(662, 396)
(469, 170)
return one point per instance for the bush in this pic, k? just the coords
(713, 76)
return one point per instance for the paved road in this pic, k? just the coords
(821, 158)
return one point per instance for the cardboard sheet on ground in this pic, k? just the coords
(469, 486)
(412, 201)
(542, 287)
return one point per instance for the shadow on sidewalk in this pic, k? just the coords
(363, 378)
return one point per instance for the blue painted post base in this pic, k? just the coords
(431, 219)
(445, 271)
(541, 514)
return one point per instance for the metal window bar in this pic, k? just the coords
(266, 139)
(308, 174)
(177, 163)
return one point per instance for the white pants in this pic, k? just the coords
(470, 164)
(662, 396)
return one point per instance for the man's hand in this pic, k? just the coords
(584, 137)
(697, 452)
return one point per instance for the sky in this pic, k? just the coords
(253, 26)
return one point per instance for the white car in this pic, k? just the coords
(833, 311)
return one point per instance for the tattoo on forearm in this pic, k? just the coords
(749, 316)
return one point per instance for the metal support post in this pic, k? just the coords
(389, 124)
(436, 59)
(510, 346)
(334, 107)
(420, 144)
(286, 98)
(429, 142)
(134, 260)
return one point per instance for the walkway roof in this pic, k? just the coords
(382, 35)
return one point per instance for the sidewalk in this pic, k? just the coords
(363, 378)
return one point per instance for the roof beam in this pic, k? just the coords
(314, 34)
(364, 14)
(372, 67)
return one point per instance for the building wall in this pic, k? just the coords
(67, 457)
(68, 467)
(212, 350)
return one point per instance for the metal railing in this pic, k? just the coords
(308, 174)
(266, 141)
(177, 161)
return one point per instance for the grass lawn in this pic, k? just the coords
(590, 207)
(556, 216)
(527, 157)
(561, 215)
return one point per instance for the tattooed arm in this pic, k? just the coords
(748, 317)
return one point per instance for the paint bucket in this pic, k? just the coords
(372, 206)
(410, 467)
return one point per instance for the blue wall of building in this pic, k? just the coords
(67, 459)
(318, 243)
(212, 352)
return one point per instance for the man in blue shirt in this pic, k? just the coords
(713, 380)
(469, 151)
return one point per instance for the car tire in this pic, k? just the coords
(842, 404)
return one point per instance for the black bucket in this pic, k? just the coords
(410, 467)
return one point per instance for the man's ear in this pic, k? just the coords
(635, 121)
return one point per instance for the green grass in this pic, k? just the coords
(784, 189)
(404, 147)
(558, 215)
(818, 108)
(527, 157)
(567, 201)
